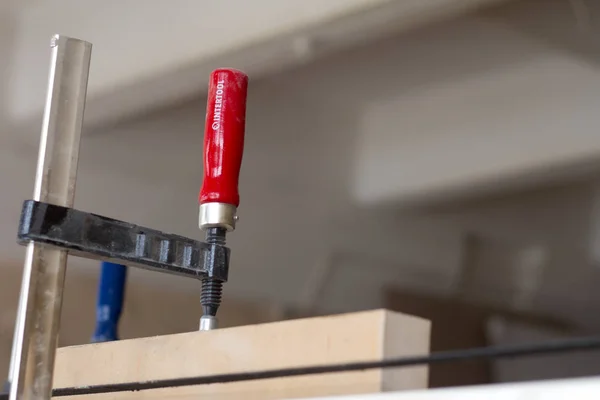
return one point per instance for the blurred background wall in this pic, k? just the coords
(411, 154)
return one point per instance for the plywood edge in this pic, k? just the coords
(404, 336)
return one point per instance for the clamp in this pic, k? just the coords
(51, 229)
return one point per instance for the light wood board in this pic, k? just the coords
(362, 336)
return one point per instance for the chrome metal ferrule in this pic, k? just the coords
(217, 215)
(208, 323)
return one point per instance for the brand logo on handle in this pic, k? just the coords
(216, 124)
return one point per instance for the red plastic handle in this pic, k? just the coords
(224, 136)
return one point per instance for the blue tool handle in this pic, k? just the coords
(111, 290)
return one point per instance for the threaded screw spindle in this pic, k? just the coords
(212, 289)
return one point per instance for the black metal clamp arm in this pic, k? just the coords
(96, 237)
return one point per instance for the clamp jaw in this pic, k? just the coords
(96, 237)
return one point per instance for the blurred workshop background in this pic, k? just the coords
(437, 157)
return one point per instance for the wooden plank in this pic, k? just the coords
(362, 336)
